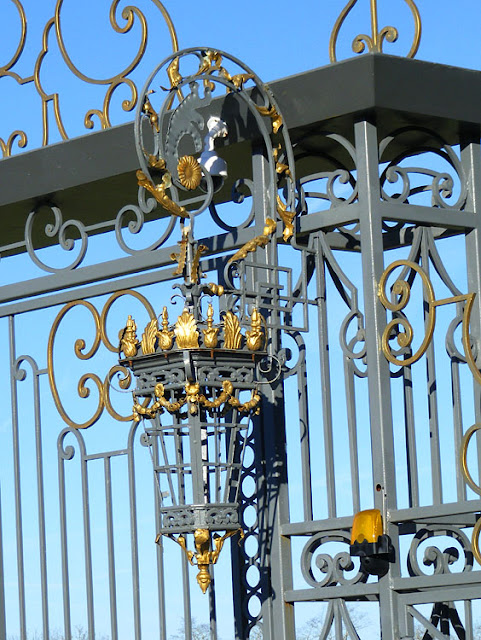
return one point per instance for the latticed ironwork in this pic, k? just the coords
(327, 365)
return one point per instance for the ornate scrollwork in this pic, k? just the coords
(61, 229)
(443, 185)
(441, 561)
(182, 170)
(375, 41)
(472, 484)
(100, 337)
(402, 289)
(339, 184)
(238, 197)
(334, 568)
(130, 15)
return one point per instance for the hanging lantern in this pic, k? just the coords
(198, 372)
(196, 390)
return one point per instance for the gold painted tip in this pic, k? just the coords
(203, 580)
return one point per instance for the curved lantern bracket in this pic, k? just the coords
(182, 129)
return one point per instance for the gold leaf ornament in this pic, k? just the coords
(186, 331)
(259, 241)
(149, 337)
(192, 390)
(158, 191)
(232, 332)
(287, 218)
(189, 171)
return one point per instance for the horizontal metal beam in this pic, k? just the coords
(347, 592)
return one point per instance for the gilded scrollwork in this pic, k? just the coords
(401, 290)
(258, 241)
(472, 484)
(20, 137)
(103, 387)
(375, 41)
(131, 15)
(194, 168)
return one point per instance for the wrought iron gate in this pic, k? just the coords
(351, 223)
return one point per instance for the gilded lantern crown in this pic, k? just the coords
(197, 344)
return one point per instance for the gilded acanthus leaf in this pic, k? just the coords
(174, 74)
(214, 289)
(276, 118)
(259, 241)
(194, 273)
(287, 217)
(158, 191)
(232, 332)
(186, 332)
(181, 257)
(149, 336)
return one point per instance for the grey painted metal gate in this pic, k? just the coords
(382, 187)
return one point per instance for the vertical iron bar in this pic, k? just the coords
(168, 470)
(273, 503)
(304, 435)
(179, 450)
(196, 459)
(3, 621)
(158, 523)
(212, 605)
(458, 425)
(471, 160)
(186, 591)
(41, 502)
(410, 435)
(63, 542)
(87, 547)
(352, 428)
(325, 381)
(134, 539)
(434, 436)
(379, 382)
(218, 460)
(18, 493)
(111, 551)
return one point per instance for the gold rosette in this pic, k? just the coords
(189, 172)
